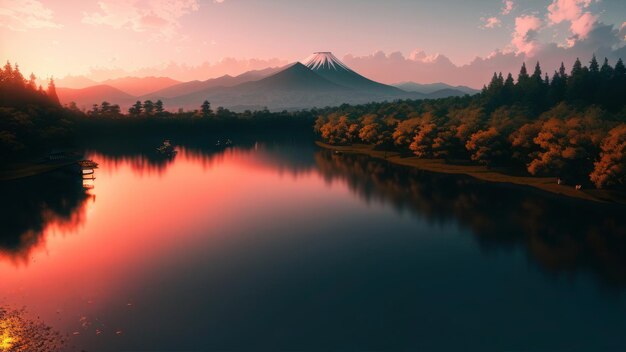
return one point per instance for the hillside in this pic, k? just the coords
(86, 97)
(138, 86)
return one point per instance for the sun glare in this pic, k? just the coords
(7, 340)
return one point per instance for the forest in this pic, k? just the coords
(571, 126)
(31, 118)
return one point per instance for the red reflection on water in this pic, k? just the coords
(142, 220)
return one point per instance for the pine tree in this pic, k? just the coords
(593, 65)
(577, 68)
(136, 109)
(619, 70)
(206, 109)
(148, 107)
(562, 72)
(537, 73)
(17, 78)
(32, 82)
(52, 92)
(158, 107)
(7, 72)
(523, 74)
(606, 71)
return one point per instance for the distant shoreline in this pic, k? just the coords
(547, 184)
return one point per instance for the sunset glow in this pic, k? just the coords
(315, 175)
(201, 39)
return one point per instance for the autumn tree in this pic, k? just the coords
(610, 169)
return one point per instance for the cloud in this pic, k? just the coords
(525, 34)
(566, 10)
(491, 22)
(160, 17)
(507, 7)
(20, 15)
(603, 40)
(581, 26)
(573, 11)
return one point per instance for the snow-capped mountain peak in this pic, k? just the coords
(324, 60)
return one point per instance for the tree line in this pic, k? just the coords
(572, 126)
(31, 118)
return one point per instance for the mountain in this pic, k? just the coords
(86, 97)
(76, 82)
(197, 86)
(321, 80)
(434, 87)
(296, 77)
(138, 86)
(328, 66)
(296, 87)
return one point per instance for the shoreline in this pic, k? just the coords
(480, 172)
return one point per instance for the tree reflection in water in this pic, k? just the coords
(32, 204)
(564, 236)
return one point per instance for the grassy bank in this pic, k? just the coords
(547, 184)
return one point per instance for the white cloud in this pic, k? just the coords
(20, 15)
(159, 17)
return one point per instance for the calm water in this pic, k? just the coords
(279, 245)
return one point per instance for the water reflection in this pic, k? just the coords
(563, 236)
(274, 244)
(31, 205)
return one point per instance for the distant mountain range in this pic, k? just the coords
(321, 80)
(430, 88)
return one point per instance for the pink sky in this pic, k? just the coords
(426, 41)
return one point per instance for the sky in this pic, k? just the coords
(458, 42)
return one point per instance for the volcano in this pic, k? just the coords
(327, 65)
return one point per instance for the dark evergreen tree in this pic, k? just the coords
(205, 108)
(158, 107)
(136, 109)
(148, 107)
(52, 93)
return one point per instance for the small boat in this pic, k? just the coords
(166, 148)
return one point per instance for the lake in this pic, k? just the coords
(276, 244)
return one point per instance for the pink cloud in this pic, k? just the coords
(20, 15)
(508, 7)
(160, 17)
(524, 37)
(491, 22)
(566, 10)
(581, 26)
(573, 11)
